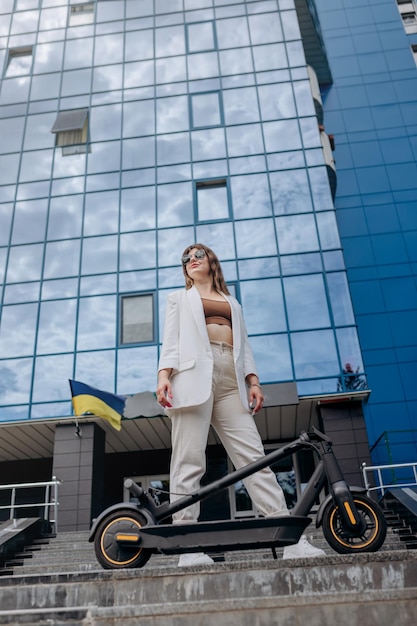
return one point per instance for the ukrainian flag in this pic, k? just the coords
(88, 400)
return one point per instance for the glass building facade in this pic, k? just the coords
(132, 128)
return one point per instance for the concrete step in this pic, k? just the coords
(379, 588)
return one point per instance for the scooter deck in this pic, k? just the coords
(223, 535)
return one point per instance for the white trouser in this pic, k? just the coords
(238, 433)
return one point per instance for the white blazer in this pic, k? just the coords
(186, 349)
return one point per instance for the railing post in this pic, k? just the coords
(12, 502)
(55, 490)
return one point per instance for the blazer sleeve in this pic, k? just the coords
(169, 358)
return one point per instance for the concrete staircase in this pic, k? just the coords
(62, 584)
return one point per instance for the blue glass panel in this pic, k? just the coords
(173, 148)
(173, 173)
(265, 28)
(36, 166)
(97, 323)
(270, 317)
(259, 268)
(74, 163)
(290, 192)
(169, 41)
(238, 61)
(62, 259)
(136, 369)
(232, 33)
(171, 244)
(218, 237)
(51, 377)
(138, 118)
(172, 114)
(208, 144)
(389, 248)
(282, 135)
(202, 65)
(108, 78)
(17, 330)
(277, 101)
(175, 204)
(250, 195)
(240, 105)
(297, 233)
(270, 57)
(340, 299)
(90, 285)
(205, 110)
(56, 330)
(134, 281)
(255, 238)
(399, 293)
(317, 387)
(99, 255)
(138, 46)
(3, 254)
(314, 354)
(328, 231)
(65, 214)
(138, 152)
(16, 377)
(243, 140)
(200, 36)
(137, 209)
(11, 133)
(272, 357)
(104, 157)
(301, 264)
(101, 213)
(21, 292)
(137, 251)
(63, 288)
(96, 369)
(349, 349)
(77, 56)
(171, 70)
(306, 302)
(139, 74)
(29, 221)
(76, 82)
(25, 263)
(105, 122)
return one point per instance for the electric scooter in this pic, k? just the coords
(126, 535)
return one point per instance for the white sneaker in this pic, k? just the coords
(194, 558)
(302, 549)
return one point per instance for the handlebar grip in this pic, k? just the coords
(134, 489)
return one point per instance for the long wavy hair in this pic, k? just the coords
(216, 272)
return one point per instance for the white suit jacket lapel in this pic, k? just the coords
(196, 307)
(236, 329)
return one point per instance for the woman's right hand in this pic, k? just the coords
(164, 389)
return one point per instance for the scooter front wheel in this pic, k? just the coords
(117, 540)
(344, 539)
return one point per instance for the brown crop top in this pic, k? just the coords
(217, 312)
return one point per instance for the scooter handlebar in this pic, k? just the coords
(134, 489)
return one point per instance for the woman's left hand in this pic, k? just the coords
(256, 398)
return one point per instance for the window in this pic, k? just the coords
(408, 11)
(81, 14)
(212, 200)
(137, 319)
(19, 62)
(71, 130)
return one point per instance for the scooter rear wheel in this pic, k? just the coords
(114, 553)
(343, 539)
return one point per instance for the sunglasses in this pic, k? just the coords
(198, 254)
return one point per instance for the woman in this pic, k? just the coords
(207, 377)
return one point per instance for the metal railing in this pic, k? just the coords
(382, 485)
(49, 505)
